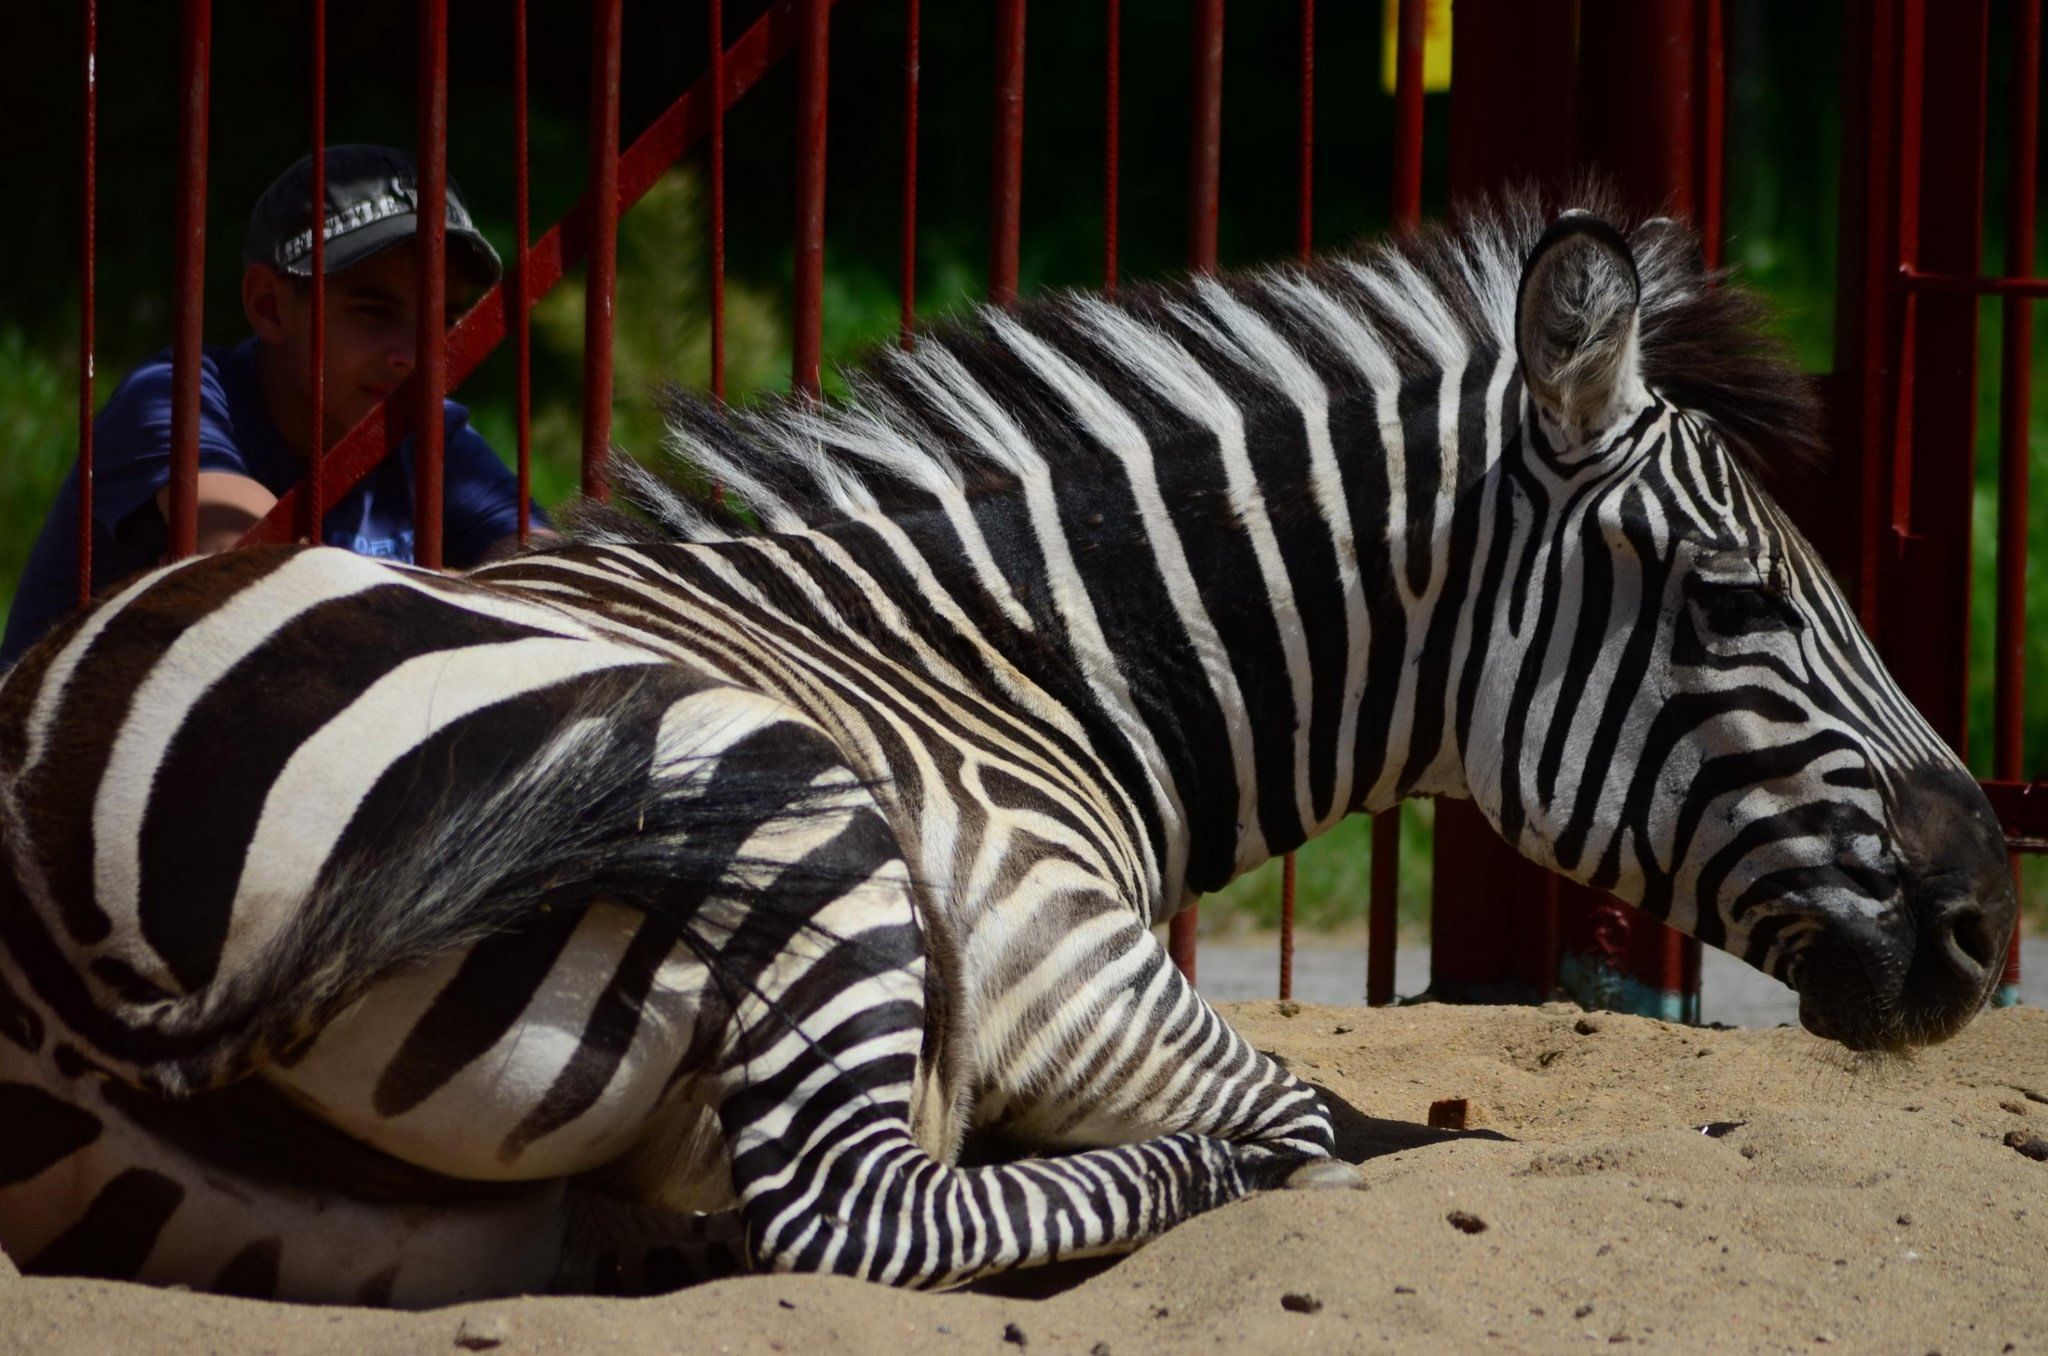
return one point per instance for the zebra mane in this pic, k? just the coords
(961, 414)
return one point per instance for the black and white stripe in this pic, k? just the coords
(351, 912)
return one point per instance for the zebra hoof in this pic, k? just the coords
(1326, 1174)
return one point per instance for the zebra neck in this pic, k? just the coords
(1258, 618)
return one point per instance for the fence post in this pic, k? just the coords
(432, 370)
(1510, 122)
(813, 54)
(1648, 73)
(88, 217)
(194, 86)
(600, 298)
(1205, 174)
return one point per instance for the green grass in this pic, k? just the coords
(1333, 881)
(38, 442)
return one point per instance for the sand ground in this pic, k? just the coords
(1837, 1204)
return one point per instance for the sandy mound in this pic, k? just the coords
(1837, 1204)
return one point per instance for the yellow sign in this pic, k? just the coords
(1436, 44)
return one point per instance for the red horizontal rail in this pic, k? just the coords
(681, 126)
(2022, 809)
(1916, 281)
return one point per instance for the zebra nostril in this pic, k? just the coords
(1970, 934)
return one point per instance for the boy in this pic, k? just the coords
(256, 398)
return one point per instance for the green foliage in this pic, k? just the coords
(38, 443)
(1333, 881)
(661, 334)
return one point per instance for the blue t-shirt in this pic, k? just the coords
(132, 462)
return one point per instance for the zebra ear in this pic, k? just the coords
(1576, 326)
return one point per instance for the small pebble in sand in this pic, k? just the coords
(1905, 1220)
(480, 1333)
(2033, 1146)
(1099, 1349)
(1585, 1026)
(1301, 1304)
(1464, 1221)
(1582, 1311)
(1014, 1335)
(1451, 1113)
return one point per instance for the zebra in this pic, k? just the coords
(677, 900)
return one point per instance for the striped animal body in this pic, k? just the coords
(670, 903)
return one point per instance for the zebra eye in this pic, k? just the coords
(1736, 593)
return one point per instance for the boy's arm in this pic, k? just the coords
(229, 505)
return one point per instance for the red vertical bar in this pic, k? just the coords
(432, 373)
(2015, 403)
(1304, 244)
(316, 445)
(1641, 110)
(1205, 147)
(907, 263)
(1305, 226)
(519, 285)
(1511, 121)
(195, 54)
(1382, 924)
(1926, 638)
(717, 22)
(1006, 177)
(1112, 112)
(88, 216)
(1905, 211)
(1710, 156)
(1637, 106)
(1205, 169)
(602, 274)
(1513, 91)
(1408, 116)
(1287, 926)
(1864, 336)
(813, 56)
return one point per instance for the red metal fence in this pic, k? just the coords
(1635, 88)
(1914, 129)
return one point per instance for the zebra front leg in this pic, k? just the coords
(816, 1103)
(1107, 1043)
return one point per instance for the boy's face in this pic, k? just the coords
(372, 335)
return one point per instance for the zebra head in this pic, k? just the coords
(1687, 711)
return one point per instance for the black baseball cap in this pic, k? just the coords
(372, 204)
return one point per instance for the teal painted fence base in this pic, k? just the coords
(1592, 984)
